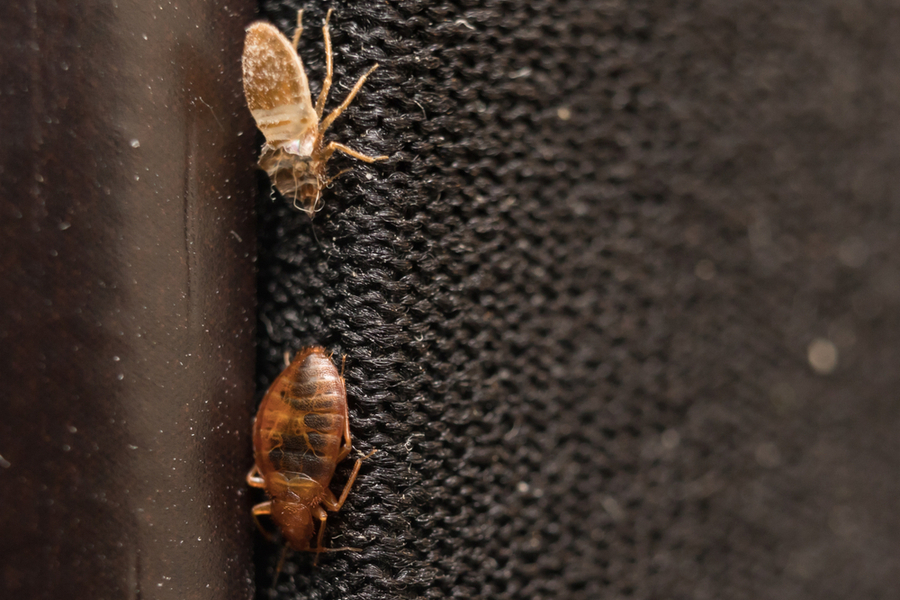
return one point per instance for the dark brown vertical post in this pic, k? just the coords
(127, 289)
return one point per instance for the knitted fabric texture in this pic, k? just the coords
(619, 313)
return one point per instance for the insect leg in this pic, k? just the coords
(294, 175)
(299, 30)
(329, 501)
(254, 479)
(319, 513)
(346, 445)
(322, 516)
(263, 508)
(329, 59)
(326, 123)
(332, 147)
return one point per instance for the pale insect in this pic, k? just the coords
(277, 93)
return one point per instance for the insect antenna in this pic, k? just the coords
(318, 551)
(280, 566)
(344, 549)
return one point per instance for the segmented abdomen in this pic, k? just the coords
(301, 420)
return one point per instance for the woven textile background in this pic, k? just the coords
(591, 306)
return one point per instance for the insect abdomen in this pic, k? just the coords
(301, 424)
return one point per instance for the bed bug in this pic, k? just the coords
(277, 91)
(301, 433)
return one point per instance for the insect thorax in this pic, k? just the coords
(296, 177)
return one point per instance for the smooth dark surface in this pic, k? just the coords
(577, 302)
(127, 247)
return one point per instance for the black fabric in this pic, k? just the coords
(590, 306)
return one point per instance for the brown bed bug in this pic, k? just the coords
(277, 92)
(301, 433)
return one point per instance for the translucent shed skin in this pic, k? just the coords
(277, 93)
(301, 433)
